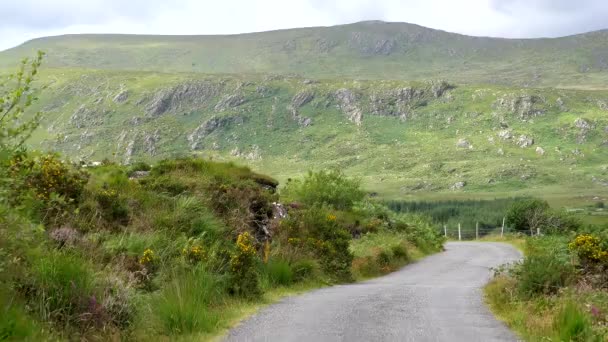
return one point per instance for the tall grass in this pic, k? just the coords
(190, 303)
(572, 324)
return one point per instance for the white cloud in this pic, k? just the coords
(26, 19)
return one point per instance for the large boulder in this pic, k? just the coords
(463, 143)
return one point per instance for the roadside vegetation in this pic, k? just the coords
(559, 291)
(177, 250)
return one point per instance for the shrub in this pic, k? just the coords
(188, 303)
(527, 214)
(279, 272)
(304, 269)
(572, 324)
(400, 252)
(326, 188)
(589, 250)
(113, 206)
(139, 166)
(545, 269)
(244, 276)
(316, 232)
(384, 258)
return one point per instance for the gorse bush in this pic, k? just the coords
(245, 280)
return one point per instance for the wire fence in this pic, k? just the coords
(476, 232)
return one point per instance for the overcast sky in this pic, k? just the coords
(21, 20)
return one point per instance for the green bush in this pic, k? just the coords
(400, 252)
(545, 269)
(326, 188)
(572, 324)
(527, 214)
(189, 302)
(304, 269)
(384, 258)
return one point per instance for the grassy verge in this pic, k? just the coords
(549, 297)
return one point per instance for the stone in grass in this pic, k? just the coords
(463, 143)
(540, 150)
(458, 185)
(525, 141)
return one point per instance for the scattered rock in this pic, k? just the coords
(525, 141)
(602, 104)
(540, 150)
(560, 104)
(505, 134)
(582, 124)
(500, 152)
(463, 143)
(139, 174)
(458, 185)
(525, 106)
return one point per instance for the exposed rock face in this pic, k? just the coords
(463, 143)
(209, 126)
(524, 106)
(458, 185)
(525, 141)
(540, 150)
(368, 44)
(322, 45)
(396, 102)
(582, 124)
(150, 141)
(505, 134)
(301, 120)
(139, 174)
(87, 117)
(121, 97)
(302, 98)
(438, 88)
(129, 152)
(347, 103)
(230, 101)
(195, 94)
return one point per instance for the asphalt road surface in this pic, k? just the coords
(436, 299)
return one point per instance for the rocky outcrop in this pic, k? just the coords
(396, 102)
(87, 117)
(150, 141)
(302, 98)
(121, 97)
(368, 44)
(505, 134)
(348, 104)
(524, 106)
(209, 126)
(182, 96)
(603, 105)
(561, 105)
(438, 88)
(525, 141)
(582, 124)
(230, 101)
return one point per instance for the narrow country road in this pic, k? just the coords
(436, 299)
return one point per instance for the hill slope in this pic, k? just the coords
(401, 137)
(366, 50)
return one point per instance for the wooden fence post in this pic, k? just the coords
(459, 235)
(477, 231)
(502, 230)
(445, 230)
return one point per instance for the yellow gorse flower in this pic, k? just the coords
(331, 217)
(147, 257)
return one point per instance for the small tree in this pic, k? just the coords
(329, 188)
(528, 215)
(17, 94)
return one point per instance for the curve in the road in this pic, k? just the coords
(436, 299)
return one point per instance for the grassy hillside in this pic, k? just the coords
(402, 138)
(366, 50)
